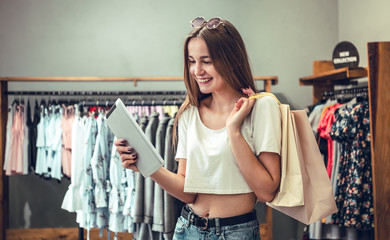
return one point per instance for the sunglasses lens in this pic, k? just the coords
(213, 23)
(197, 22)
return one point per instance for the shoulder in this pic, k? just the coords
(187, 114)
(189, 111)
(266, 107)
(266, 102)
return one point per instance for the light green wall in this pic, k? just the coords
(362, 21)
(145, 38)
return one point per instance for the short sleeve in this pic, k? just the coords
(181, 150)
(266, 123)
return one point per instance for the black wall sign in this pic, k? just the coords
(345, 54)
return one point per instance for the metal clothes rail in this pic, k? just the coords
(96, 93)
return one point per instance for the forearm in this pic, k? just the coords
(173, 184)
(259, 179)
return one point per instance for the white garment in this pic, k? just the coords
(100, 163)
(128, 208)
(117, 194)
(25, 139)
(100, 171)
(87, 187)
(211, 167)
(40, 164)
(8, 137)
(49, 135)
(72, 200)
(56, 146)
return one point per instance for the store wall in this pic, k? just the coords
(145, 38)
(362, 21)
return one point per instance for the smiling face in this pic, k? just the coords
(202, 69)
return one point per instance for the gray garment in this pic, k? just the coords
(337, 150)
(144, 229)
(144, 123)
(315, 230)
(171, 212)
(158, 211)
(144, 232)
(138, 215)
(150, 132)
(315, 116)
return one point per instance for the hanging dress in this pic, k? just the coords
(354, 189)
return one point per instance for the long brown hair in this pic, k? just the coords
(228, 54)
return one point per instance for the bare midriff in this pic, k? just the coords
(217, 205)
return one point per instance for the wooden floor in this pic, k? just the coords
(59, 233)
(73, 234)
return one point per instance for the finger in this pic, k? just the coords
(128, 164)
(239, 103)
(130, 149)
(122, 149)
(247, 104)
(252, 101)
(248, 91)
(127, 156)
(125, 149)
(120, 142)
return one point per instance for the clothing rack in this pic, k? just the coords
(268, 80)
(72, 233)
(130, 98)
(95, 93)
(347, 93)
(134, 103)
(325, 77)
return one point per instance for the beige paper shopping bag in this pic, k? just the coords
(290, 191)
(319, 200)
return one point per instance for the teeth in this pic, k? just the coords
(204, 80)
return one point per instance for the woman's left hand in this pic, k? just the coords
(241, 110)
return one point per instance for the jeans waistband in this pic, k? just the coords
(205, 223)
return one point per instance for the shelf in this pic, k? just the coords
(333, 77)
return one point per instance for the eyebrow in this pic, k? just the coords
(202, 57)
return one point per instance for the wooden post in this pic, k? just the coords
(3, 178)
(379, 95)
(267, 85)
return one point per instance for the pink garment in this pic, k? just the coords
(66, 125)
(324, 128)
(15, 163)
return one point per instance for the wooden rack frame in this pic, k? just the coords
(325, 77)
(54, 233)
(268, 80)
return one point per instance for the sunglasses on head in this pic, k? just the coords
(210, 24)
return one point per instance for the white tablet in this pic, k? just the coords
(124, 126)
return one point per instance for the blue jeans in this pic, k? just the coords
(244, 231)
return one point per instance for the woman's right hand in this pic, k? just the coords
(127, 153)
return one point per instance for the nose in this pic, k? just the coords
(199, 71)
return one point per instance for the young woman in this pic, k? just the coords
(228, 145)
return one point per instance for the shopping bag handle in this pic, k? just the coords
(263, 94)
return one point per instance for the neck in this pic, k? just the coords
(224, 102)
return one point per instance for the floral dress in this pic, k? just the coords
(354, 188)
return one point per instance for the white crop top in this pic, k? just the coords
(211, 167)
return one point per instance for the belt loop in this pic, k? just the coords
(217, 227)
(190, 217)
